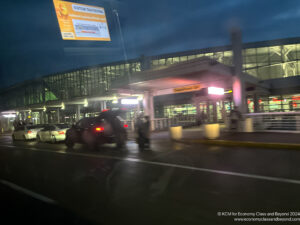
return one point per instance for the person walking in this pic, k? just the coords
(235, 115)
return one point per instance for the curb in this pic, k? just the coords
(241, 144)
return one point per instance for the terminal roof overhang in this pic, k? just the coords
(204, 71)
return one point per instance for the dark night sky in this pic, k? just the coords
(31, 44)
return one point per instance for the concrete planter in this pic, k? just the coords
(211, 131)
(248, 125)
(175, 132)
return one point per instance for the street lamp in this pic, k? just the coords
(122, 40)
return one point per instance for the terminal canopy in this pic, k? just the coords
(185, 76)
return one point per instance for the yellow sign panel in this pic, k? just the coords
(81, 22)
(187, 88)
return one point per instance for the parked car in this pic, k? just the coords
(105, 128)
(53, 133)
(26, 132)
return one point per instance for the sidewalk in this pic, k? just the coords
(256, 139)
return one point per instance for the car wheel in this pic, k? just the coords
(69, 143)
(53, 139)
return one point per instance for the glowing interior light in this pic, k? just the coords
(85, 103)
(215, 91)
(129, 101)
(10, 116)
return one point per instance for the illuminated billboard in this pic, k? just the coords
(81, 22)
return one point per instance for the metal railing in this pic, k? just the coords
(275, 121)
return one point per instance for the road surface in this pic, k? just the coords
(171, 183)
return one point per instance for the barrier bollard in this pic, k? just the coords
(175, 132)
(211, 131)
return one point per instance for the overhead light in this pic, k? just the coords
(115, 100)
(129, 101)
(85, 104)
(9, 116)
(62, 106)
(215, 91)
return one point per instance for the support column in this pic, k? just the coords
(77, 112)
(149, 107)
(238, 84)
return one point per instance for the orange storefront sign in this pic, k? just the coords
(81, 22)
(187, 88)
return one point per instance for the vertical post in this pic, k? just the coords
(298, 122)
(41, 117)
(198, 113)
(238, 84)
(255, 102)
(215, 113)
(45, 117)
(148, 107)
(58, 115)
(207, 111)
(77, 112)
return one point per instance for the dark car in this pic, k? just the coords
(105, 128)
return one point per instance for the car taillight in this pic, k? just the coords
(29, 132)
(125, 125)
(99, 129)
(61, 132)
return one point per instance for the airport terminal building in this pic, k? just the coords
(165, 86)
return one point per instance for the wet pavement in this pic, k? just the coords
(171, 183)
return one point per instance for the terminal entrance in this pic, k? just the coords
(182, 91)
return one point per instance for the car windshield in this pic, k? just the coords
(150, 112)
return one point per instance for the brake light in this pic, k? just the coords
(61, 132)
(125, 125)
(99, 129)
(29, 132)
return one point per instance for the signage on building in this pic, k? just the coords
(194, 87)
(81, 22)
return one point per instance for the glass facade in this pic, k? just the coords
(94, 81)
(263, 60)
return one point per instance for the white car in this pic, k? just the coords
(53, 133)
(26, 132)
